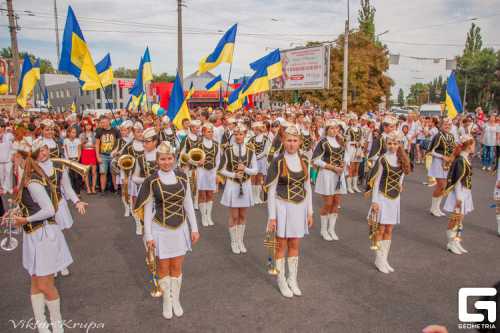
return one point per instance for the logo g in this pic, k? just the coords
(489, 306)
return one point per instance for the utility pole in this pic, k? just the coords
(180, 69)
(13, 44)
(57, 34)
(346, 63)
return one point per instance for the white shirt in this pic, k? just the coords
(71, 148)
(490, 134)
(6, 147)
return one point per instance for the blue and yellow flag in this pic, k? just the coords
(215, 84)
(453, 102)
(177, 108)
(75, 55)
(223, 51)
(272, 62)
(138, 87)
(235, 100)
(30, 74)
(190, 92)
(4, 88)
(147, 71)
(105, 71)
(257, 83)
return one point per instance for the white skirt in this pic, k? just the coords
(171, 243)
(63, 216)
(45, 251)
(133, 188)
(291, 219)
(436, 169)
(389, 210)
(467, 204)
(326, 183)
(231, 196)
(262, 166)
(206, 180)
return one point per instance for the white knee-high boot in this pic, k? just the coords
(38, 305)
(332, 221)
(324, 228)
(233, 234)
(176, 293)
(379, 260)
(355, 184)
(349, 185)
(452, 243)
(241, 235)
(208, 211)
(256, 194)
(138, 226)
(293, 264)
(282, 284)
(434, 206)
(386, 246)
(203, 213)
(438, 206)
(166, 287)
(55, 315)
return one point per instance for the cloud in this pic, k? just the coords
(125, 29)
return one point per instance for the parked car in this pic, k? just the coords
(431, 110)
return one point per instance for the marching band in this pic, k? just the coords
(271, 157)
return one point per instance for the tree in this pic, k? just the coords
(401, 97)
(45, 64)
(474, 41)
(125, 73)
(163, 77)
(366, 19)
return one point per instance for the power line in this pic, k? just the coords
(432, 44)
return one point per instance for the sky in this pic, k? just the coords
(423, 28)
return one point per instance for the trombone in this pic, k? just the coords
(9, 243)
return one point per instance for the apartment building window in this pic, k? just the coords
(98, 105)
(121, 93)
(98, 93)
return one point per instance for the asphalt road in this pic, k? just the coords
(223, 292)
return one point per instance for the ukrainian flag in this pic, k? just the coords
(258, 82)
(272, 62)
(235, 100)
(30, 74)
(223, 51)
(453, 102)
(215, 84)
(177, 108)
(105, 71)
(4, 88)
(138, 87)
(147, 70)
(190, 92)
(75, 55)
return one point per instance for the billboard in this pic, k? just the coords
(304, 69)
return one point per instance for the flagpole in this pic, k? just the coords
(229, 78)
(107, 100)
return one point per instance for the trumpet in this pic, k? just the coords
(152, 268)
(193, 156)
(9, 243)
(456, 218)
(79, 168)
(374, 226)
(271, 243)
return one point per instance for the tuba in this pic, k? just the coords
(126, 162)
(271, 243)
(193, 157)
(152, 268)
(79, 168)
(374, 225)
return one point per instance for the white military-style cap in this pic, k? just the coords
(138, 126)
(149, 134)
(37, 144)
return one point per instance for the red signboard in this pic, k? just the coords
(125, 83)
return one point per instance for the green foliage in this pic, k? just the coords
(401, 97)
(125, 73)
(163, 77)
(366, 19)
(45, 64)
(474, 41)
